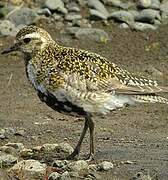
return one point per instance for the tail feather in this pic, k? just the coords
(150, 99)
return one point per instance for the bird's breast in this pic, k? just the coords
(32, 76)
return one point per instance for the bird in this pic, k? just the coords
(78, 82)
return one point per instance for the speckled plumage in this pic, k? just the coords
(79, 82)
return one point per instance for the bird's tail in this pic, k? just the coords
(150, 98)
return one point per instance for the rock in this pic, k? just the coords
(60, 164)
(143, 26)
(155, 4)
(28, 169)
(26, 152)
(20, 132)
(54, 176)
(78, 165)
(7, 159)
(118, 3)
(48, 147)
(64, 147)
(57, 17)
(2, 131)
(56, 5)
(97, 15)
(141, 176)
(17, 146)
(72, 17)
(123, 16)
(6, 28)
(144, 3)
(96, 4)
(44, 11)
(23, 15)
(164, 11)
(148, 15)
(65, 176)
(73, 7)
(93, 34)
(105, 166)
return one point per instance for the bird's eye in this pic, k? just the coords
(26, 40)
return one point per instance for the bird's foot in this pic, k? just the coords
(73, 155)
(90, 157)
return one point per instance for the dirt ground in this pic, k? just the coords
(135, 139)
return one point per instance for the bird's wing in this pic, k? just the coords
(102, 75)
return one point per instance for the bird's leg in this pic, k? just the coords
(91, 131)
(77, 148)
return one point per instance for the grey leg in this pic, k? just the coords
(77, 148)
(88, 124)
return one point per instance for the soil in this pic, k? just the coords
(135, 139)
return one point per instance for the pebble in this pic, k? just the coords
(93, 34)
(118, 3)
(96, 4)
(105, 166)
(23, 15)
(47, 147)
(17, 146)
(44, 11)
(148, 15)
(7, 159)
(6, 28)
(164, 10)
(56, 5)
(20, 132)
(72, 17)
(65, 147)
(144, 3)
(143, 26)
(26, 152)
(60, 163)
(123, 16)
(54, 176)
(97, 15)
(28, 170)
(73, 7)
(78, 165)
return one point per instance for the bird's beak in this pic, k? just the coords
(14, 47)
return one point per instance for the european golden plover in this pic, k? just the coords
(78, 82)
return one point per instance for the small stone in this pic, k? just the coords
(65, 147)
(54, 176)
(56, 5)
(97, 15)
(23, 15)
(26, 152)
(164, 11)
(6, 28)
(57, 17)
(28, 169)
(93, 34)
(122, 15)
(2, 131)
(78, 165)
(72, 17)
(148, 15)
(143, 26)
(144, 3)
(48, 147)
(96, 4)
(65, 176)
(17, 146)
(20, 132)
(60, 164)
(105, 166)
(7, 159)
(73, 7)
(44, 11)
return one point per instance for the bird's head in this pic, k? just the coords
(29, 40)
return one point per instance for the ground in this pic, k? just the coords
(135, 139)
